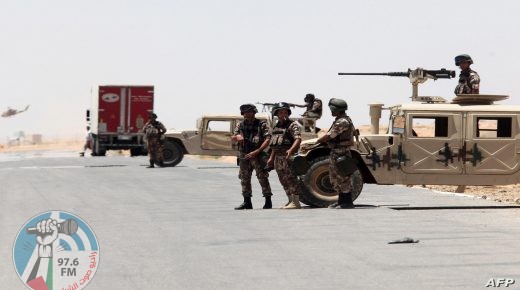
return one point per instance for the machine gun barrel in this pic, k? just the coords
(392, 74)
(416, 76)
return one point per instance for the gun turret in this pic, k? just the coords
(416, 76)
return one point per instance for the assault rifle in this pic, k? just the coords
(416, 76)
(266, 107)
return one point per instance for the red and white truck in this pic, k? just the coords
(117, 116)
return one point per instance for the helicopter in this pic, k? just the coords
(11, 112)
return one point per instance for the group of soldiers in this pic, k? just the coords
(254, 136)
(283, 141)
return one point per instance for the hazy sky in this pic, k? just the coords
(212, 56)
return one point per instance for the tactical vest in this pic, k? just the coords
(346, 138)
(281, 138)
(464, 87)
(252, 133)
(152, 130)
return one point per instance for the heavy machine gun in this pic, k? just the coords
(416, 76)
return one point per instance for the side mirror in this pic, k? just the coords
(398, 123)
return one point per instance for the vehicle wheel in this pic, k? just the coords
(172, 154)
(316, 187)
(136, 151)
(96, 149)
(101, 151)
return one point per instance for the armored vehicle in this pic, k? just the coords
(467, 141)
(212, 138)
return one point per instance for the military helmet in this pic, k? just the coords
(153, 115)
(309, 98)
(463, 57)
(248, 108)
(279, 106)
(337, 105)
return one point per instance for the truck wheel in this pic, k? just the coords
(136, 151)
(172, 153)
(316, 187)
(96, 149)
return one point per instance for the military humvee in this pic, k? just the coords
(212, 137)
(468, 141)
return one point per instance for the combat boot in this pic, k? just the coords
(288, 201)
(151, 164)
(340, 201)
(346, 201)
(246, 204)
(268, 204)
(295, 203)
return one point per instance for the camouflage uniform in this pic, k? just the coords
(313, 112)
(314, 109)
(153, 131)
(469, 82)
(254, 133)
(283, 136)
(341, 134)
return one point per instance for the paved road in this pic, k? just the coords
(175, 228)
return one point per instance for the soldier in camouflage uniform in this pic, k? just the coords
(339, 139)
(469, 80)
(253, 137)
(285, 142)
(313, 112)
(153, 131)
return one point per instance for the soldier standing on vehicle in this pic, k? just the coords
(153, 131)
(469, 80)
(312, 113)
(253, 137)
(339, 139)
(285, 142)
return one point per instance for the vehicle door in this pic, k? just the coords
(216, 134)
(491, 144)
(432, 143)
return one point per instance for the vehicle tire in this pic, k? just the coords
(96, 149)
(136, 151)
(101, 151)
(316, 189)
(172, 153)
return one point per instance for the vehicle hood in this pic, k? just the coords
(180, 133)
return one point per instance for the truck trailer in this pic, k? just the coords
(117, 117)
